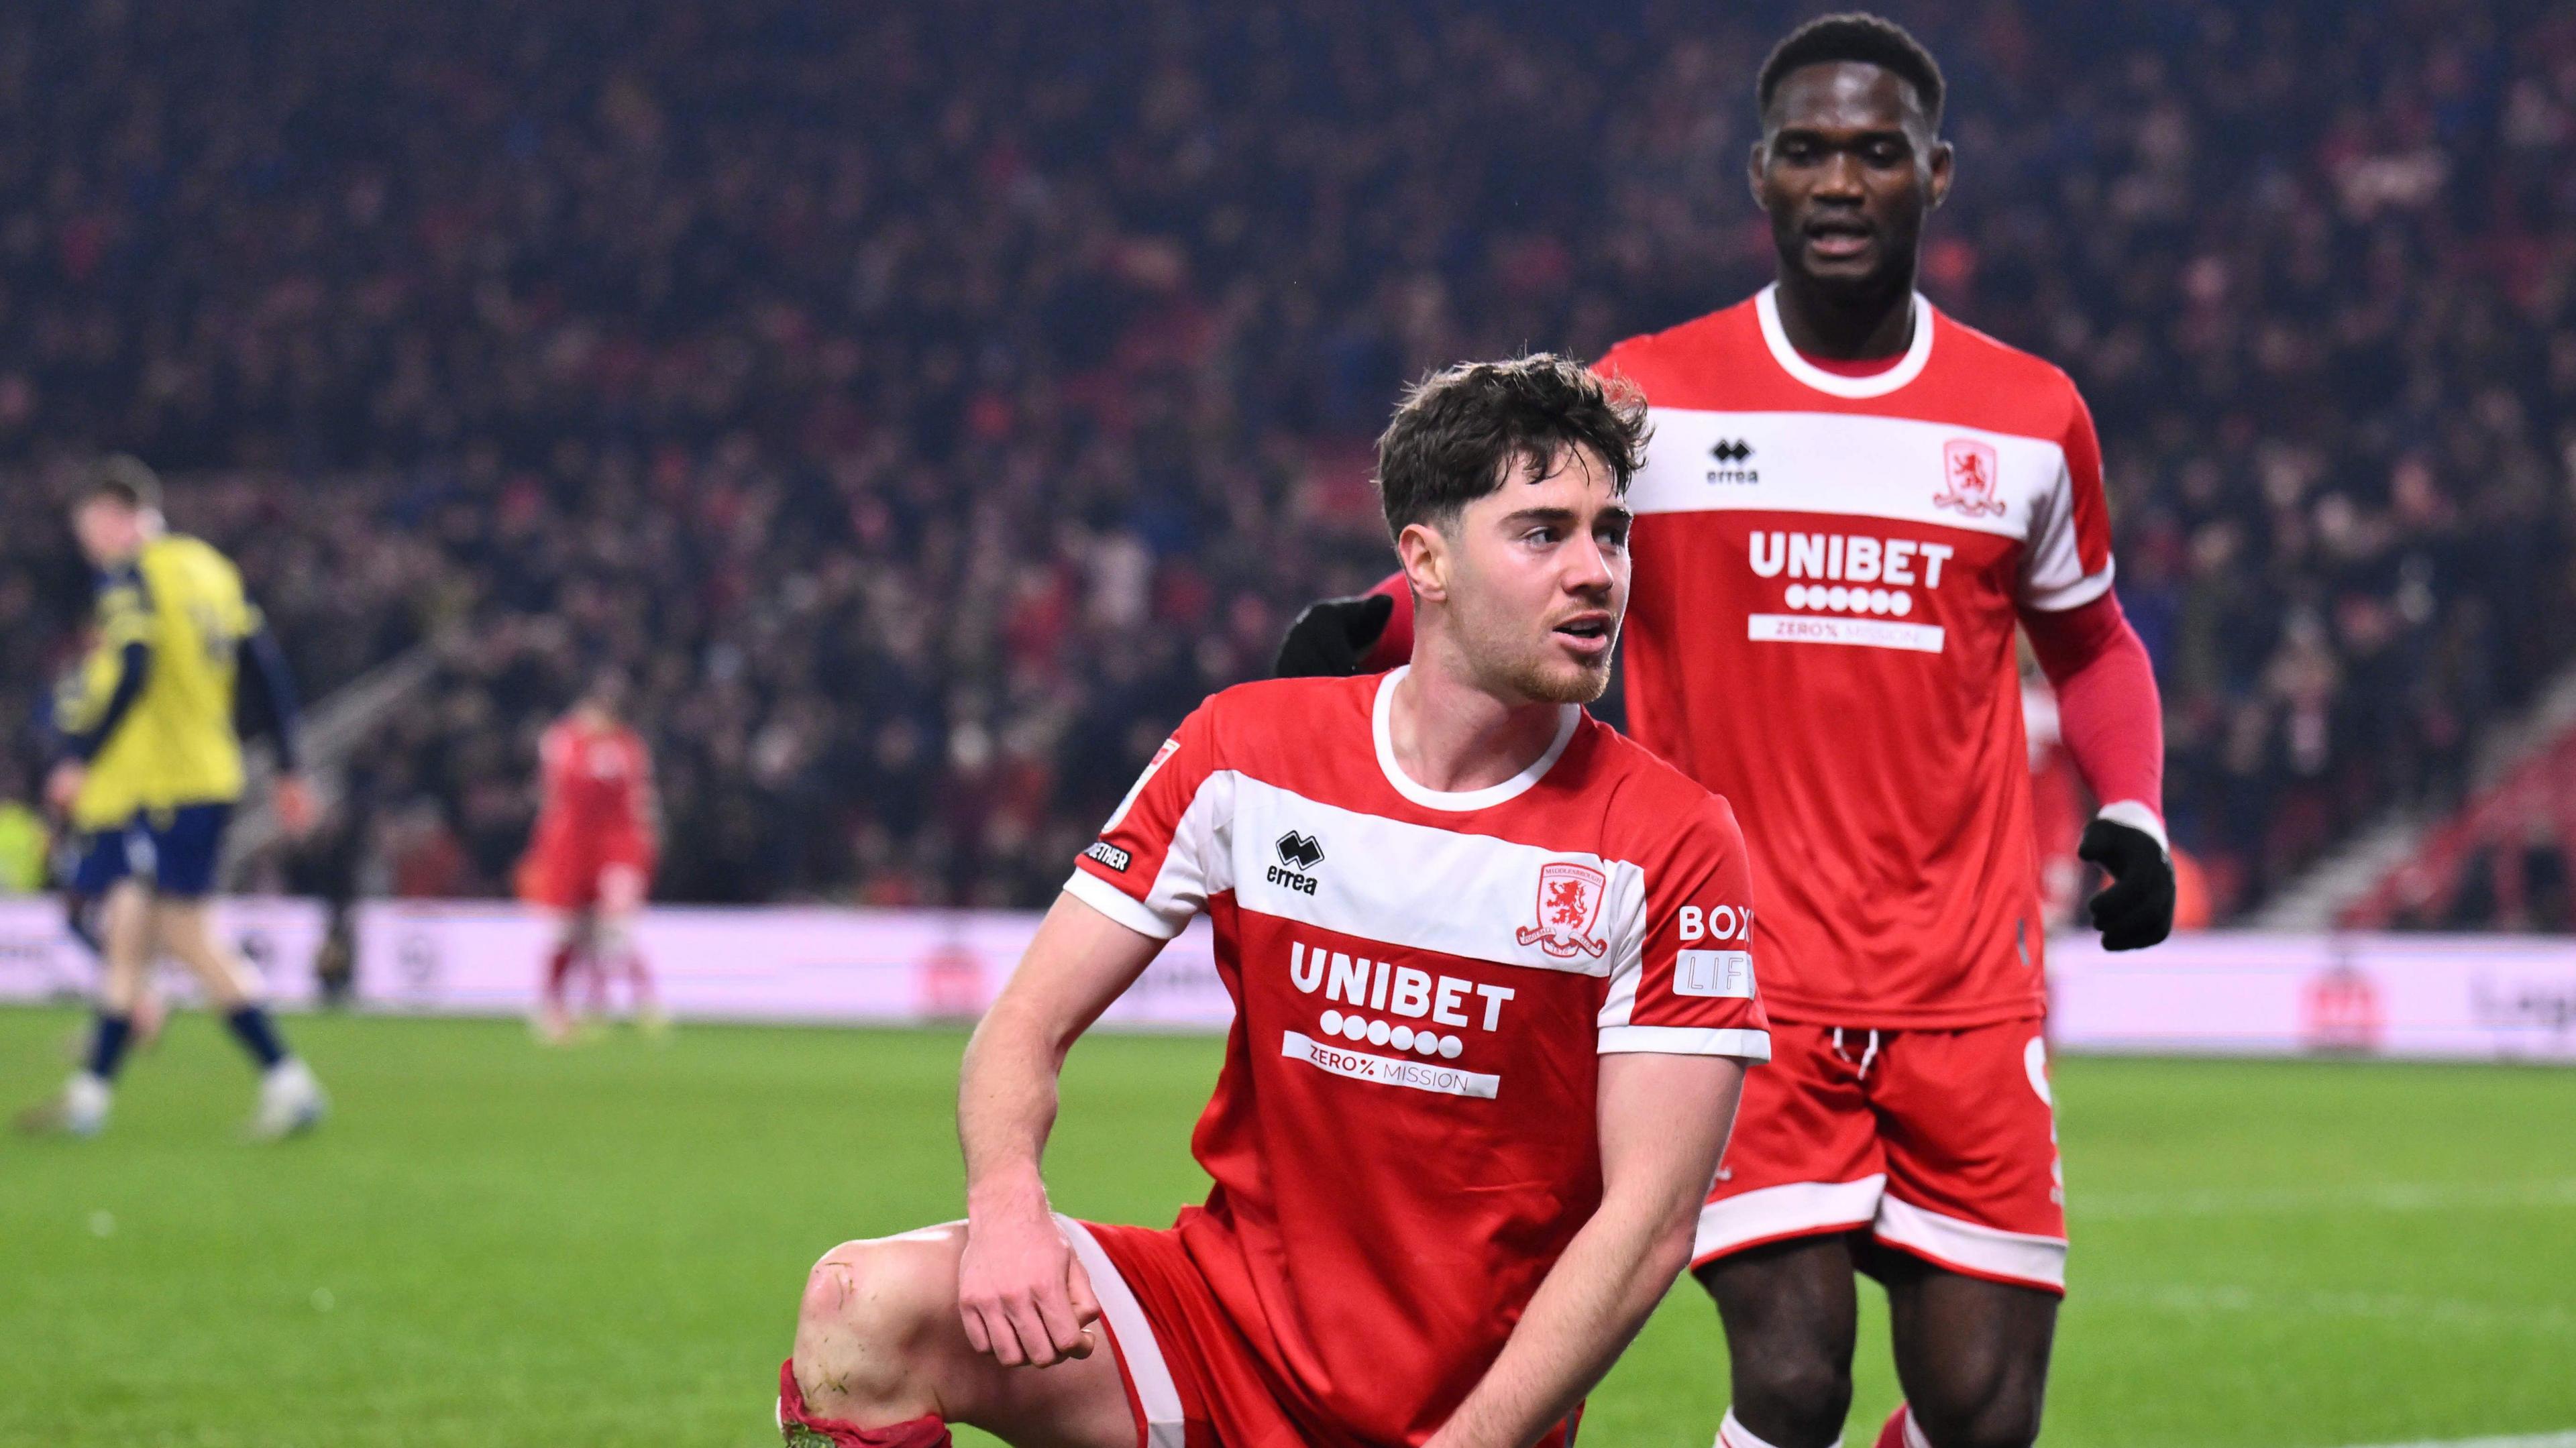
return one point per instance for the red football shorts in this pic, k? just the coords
(564, 873)
(1941, 1144)
(1192, 1379)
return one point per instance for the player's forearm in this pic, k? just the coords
(1079, 961)
(2108, 708)
(1596, 1297)
(1006, 1106)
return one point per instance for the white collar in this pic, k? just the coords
(1766, 305)
(1461, 799)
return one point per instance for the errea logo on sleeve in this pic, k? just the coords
(1715, 973)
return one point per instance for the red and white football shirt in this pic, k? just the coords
(1404, 1135)
(597, 788)
(1828, 570)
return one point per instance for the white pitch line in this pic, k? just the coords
(2201, 1301)
(2535, 1440)
(2385, 1197)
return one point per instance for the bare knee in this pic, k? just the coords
(1987, 1398)
(1793, 1393)
(868, 1325)
(1790, 1315)
(2004, 1416)
(1973, 1357)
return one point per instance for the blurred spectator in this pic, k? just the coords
(928, 404)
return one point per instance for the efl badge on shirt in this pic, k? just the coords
(1569, 906)
(1968, 479)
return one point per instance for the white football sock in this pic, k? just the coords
(1733, 1434)
(85, 1102)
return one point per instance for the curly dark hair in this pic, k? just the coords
(1458, 431)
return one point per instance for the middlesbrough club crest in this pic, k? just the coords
(1968, 479)
(1569, 906)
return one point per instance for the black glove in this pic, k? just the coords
(2137, 909)
(1330, 638)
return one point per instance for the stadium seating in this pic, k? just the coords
(927, 404)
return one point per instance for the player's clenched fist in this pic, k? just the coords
(2137, 910)
(1024, 1298)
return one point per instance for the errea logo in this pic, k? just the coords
(1727, 462)
(1299, 854)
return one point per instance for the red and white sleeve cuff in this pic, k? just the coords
(1685, 1041)
(1120, 906)
(2137, 816)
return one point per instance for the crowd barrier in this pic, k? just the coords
(2245, 994)
(780, 964)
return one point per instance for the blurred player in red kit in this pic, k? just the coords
(590, 858)
(1849, 504)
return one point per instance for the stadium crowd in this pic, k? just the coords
(924, 406)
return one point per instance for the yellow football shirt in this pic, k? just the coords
(176, 745)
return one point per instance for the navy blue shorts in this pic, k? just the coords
(175, 849)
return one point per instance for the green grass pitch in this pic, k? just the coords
(496, 1244)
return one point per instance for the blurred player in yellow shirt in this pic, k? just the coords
(151, 773)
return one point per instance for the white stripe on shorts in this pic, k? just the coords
(1971, 1246)
(1785, 1211)
(1132, 1337)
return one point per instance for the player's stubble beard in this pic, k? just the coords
(1556, 682)
(1510, 663)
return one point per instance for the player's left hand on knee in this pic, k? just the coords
(2137, 909)
(1023, 1295)
(1086, 1311)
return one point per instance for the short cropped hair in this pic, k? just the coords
(1458, 431)
(123, 478)
(1856, 36)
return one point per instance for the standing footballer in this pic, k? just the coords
(151, 773)
(590, 858)
(1850, 502)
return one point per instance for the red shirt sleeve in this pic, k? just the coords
(2109, 714)
(1157, 859)
(1685, 985)
(2069, 561)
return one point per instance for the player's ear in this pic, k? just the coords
(1755, 161)
(1424, 552)
(1941, 171)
